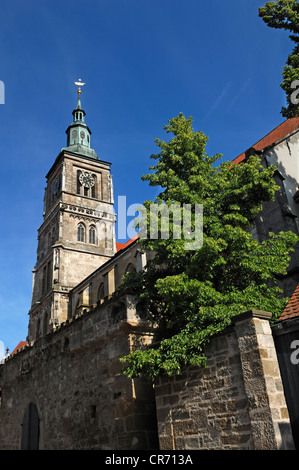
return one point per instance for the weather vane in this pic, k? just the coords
(79, 84)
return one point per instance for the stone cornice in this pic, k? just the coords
(252, 314)
(76, 157)
(78, 211)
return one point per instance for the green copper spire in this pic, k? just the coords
(78, 133)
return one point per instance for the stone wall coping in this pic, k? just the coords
(251, 314)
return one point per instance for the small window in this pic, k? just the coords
(78, 182)
(81, 233)
(130, 268)
(49, 275)
(38, 332)
(93, 411)
(93, 189)
(92, 235)
(101, 293)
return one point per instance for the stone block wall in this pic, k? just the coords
(73, 377)
(236, 402)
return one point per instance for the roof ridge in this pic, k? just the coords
(293, 125)
(292, 308)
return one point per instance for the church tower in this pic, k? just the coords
(77, 234)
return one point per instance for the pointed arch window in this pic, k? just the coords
(101, 293)
(93, 189)
(30, 428)
(78, 182)
(92, 235)
(38, 332)
(81, 233)
(130, 268)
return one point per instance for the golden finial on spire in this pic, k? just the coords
(79, 84)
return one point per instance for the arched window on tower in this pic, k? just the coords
(92, 235)
(81, 232)
(53, 237)
(44, 280)
(93, 189)
(78, 182)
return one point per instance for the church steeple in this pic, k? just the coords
(77, 234)
(78, 133)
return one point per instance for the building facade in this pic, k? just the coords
(64, 388)
(281, 148)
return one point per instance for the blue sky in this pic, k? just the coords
(144, 62)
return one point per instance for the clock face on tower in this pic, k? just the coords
(86, 180)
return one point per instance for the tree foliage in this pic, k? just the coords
(284, 14)
(191, 295)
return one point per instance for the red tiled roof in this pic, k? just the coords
(278, 133)
(120, 246)
(292, 308)
(19, 346)
(288, 126)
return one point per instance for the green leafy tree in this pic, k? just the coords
(191, 295)
(284, 14)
